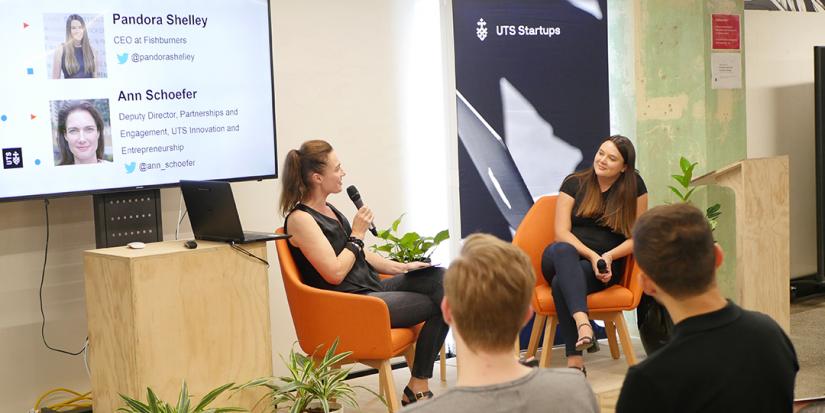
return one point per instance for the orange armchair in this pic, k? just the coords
(534, 234)
(360, 322)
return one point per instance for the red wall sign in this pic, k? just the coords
(725, 31)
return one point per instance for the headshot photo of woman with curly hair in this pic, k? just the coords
(80, 133)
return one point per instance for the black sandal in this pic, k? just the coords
(581, 369)
(414, 397)
(585, 342)
(595, 347)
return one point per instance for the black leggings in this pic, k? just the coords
(572, 278)
(414, 298)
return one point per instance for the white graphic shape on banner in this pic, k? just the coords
(543, 159)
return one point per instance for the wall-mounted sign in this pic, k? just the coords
(726, 70)
(725, 31)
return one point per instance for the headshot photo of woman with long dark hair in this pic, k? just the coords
(80, 132)
(78, 54)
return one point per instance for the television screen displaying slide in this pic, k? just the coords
(100, 96)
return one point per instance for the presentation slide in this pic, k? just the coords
(105, 95)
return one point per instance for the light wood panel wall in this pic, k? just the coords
(761, 187)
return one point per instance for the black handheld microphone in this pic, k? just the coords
(352, 191)
(602, 266)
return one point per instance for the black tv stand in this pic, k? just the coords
(124, 217)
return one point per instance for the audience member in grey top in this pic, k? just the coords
(541, 391)
(486, 301)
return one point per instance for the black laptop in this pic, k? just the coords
(214, 217)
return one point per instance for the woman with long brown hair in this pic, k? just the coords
(330, 254)
(74, 59)
(80, 132)
(595, 212)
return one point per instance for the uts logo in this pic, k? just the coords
(481, 30)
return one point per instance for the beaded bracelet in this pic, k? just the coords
(356, 241)
(353, 247)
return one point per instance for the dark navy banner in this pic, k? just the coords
(532, 102)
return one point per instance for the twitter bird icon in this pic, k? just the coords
(130, 167)
(122, 58)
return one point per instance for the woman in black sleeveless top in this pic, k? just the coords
(330, 254)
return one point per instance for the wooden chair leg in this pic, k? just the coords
(547, 344)
(388, 383)
(610, 330)
(538, 327)
(517, 347)
(624, 338)
(442, 363)
(457, 363)
(409, 356)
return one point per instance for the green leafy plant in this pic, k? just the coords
(311, 380)
(408, 247)
(684, 191)
(155, 405)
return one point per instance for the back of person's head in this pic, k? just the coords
(488, 290)
(299, 164)
(674, 246)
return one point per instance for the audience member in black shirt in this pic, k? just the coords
(330, 254)
(595, 212)
(721, 358)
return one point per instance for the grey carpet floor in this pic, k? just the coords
(808, 337)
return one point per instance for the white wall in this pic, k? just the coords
(27, 368)
(368, 76)
(779, 74)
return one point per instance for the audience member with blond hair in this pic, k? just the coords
(721, 358)
(486, 302)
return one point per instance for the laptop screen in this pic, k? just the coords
(212, 211)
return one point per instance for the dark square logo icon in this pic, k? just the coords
(12, 158)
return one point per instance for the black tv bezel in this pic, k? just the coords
(274, 175)
(819, 151)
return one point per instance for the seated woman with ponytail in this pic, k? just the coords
(595, 212)
(330, 254)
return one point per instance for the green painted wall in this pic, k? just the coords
(679, 114)
(622, 71)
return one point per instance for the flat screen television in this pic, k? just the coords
(819, 145)
(101, 96)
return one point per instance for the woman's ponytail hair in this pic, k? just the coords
(298, 165)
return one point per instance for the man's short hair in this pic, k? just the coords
(488, 288)
(673, 245)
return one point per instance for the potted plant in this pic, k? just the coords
(410, 246)
(656, 329)
(155, 405)
(312, 386)
(684, 191)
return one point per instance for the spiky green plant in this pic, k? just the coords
(310, 380)
(410, 246)
(685, 191)
(155, 405)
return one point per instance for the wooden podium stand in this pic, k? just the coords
(165, 313)
(762, 233)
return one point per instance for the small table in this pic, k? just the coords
(164, 314)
